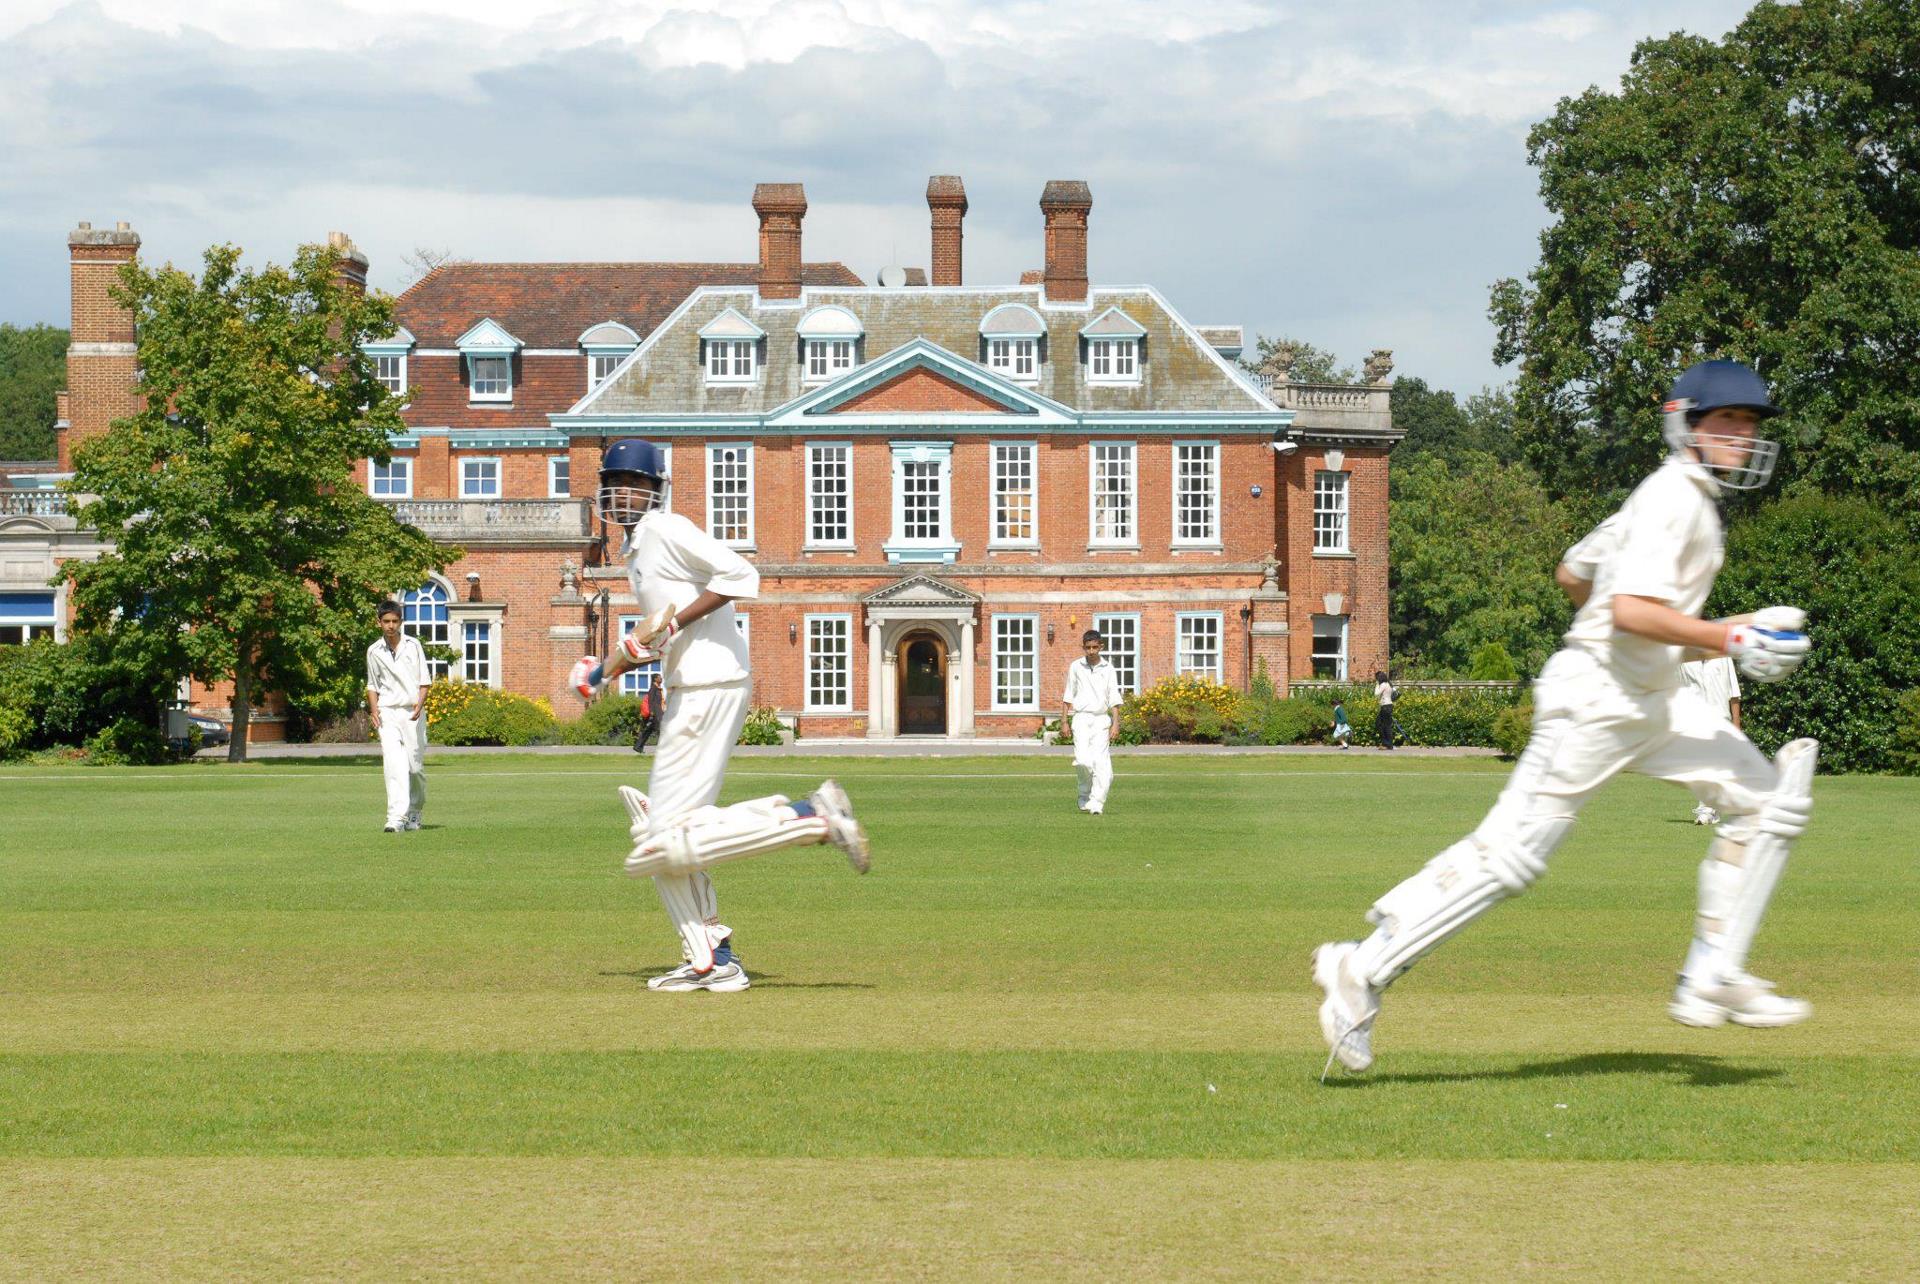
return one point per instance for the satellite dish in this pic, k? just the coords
(893, 277)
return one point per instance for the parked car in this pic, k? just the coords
(213, 732)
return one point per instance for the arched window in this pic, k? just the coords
(423, 615)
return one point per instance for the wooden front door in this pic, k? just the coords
(923, 685)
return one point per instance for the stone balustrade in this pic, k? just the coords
(497, 521)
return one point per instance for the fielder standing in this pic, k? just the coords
(686, 583)
(1719, 685)
(1610, 700)
(397, 702)
(1093, 710)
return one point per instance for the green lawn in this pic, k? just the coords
(242, 1032)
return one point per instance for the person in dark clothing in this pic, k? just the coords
(649, 717)
(1383, 724)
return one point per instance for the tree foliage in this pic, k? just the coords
(1472, 545)
(1303, 362)
(1755, 198)
(1436, 423)
(1855, 569)
(241, 549)
(33, 367)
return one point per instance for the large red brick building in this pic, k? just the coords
(941, 483)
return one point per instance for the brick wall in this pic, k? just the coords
(1359, 575)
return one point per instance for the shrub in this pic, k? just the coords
(1906, 733)
(1428, 717)
(611, 720)
(1289, 722)
(763, 727)
(1491, 663)
(16, 728)
(70, 692)
(354, 729)
(475, 715)
(1512, 729)
(127, 742)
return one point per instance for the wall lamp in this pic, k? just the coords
(793, 632)
(473, 586)
(1049, 632)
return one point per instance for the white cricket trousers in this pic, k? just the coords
(403, 747)
(697, 735)
(1093, 758)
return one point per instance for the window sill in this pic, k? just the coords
(1024, 546)
(490, 404)
(921, 552)
(1113, 548)
(1199, 548)
(481, 499)
(1334, 553)
(731, 383)
(1113, 383)
(848, 547)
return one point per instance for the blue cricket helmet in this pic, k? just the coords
(618, 499)
(1707, 386)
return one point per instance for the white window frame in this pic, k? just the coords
(1340, 658)
(499, 476)
(730, 355)
(34, 623)
(490, 668)
(400, 371)
(1014, 358)
(814, 450)
(1211, 537)
(410, 601)
(1104, 622)
(743, 537)
(1331, 532)
(1001, 654)
(1131, 539)
(595, 375)
(641, 678)
(402, 462)
(833, 356)
(1182, 622)
(474, 380)
(995, 531)
(844, 625)
(1113, 361)
(554, 489)
(941, 546)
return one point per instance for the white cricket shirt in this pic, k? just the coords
(1092, 688)
(1665, 543)
(670, 562)
(396, 674)
(1716, 680)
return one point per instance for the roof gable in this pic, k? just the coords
(920, 589)
(925, 380)
(731, 325)
(488, 336)
(1113, 324)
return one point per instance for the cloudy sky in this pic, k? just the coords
(1352, 174)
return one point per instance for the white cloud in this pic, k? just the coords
(1351, 174)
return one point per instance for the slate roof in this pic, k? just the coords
(549, 305)
(1180, 371)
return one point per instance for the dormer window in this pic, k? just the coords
(606, 346)
(488, 351)
(390, 360)
(730, 348)
(829, 343)
(1011, 341)
(1115, 343)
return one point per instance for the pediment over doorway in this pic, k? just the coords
(916, 592)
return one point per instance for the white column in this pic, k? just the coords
(963, 723)
(889, 692)
(876, 725)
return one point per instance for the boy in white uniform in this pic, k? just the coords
(397, 701)
(686, 582)
(1093, 710)
(1612, 700)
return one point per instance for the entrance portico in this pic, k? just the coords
(920, 620)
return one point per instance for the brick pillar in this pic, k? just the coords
(1065, 204)
(947, 202)
(780, 206)
(100, 349)
(433, 470)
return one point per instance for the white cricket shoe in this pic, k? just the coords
(680, 973)
(1347, 1013)
(831, 804)
(394, 827)
(1739, 998)
(721, 978)
(412, 821)
(1705, 815)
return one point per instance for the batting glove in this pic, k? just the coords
(634, 650)
(1772, 647)
(587, 677)
(657, 628)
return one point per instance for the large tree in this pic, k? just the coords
(1436, 423)
(33, 367)
(241, 549)
(1755, 198)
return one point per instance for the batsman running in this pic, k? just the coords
(686, 583)
(1611, 700)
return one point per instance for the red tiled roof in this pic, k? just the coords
(549, 305)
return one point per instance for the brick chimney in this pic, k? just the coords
(100, 348)
(1065, 203)
(780, 206)
(351, 271)
(947, 200)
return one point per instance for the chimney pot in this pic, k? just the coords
(1064, 203)
(123, 226)
(947, 202)
(86, 226)
(781, 207)
(350, 272)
